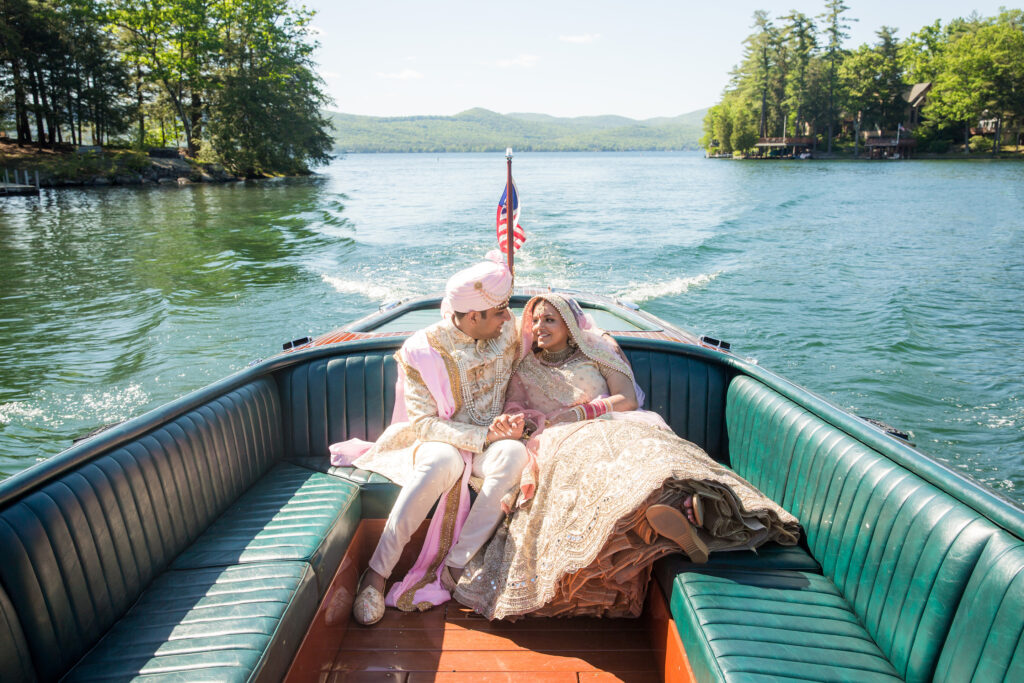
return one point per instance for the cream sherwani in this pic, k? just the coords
(422, 454)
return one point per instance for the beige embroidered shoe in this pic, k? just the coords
(368, 607)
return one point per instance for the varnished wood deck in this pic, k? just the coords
(450, 643)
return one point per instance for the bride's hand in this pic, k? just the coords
(506, 427)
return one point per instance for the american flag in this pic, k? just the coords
(518, 236)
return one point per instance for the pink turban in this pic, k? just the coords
(478, 288)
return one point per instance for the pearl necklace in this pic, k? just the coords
(501, 377)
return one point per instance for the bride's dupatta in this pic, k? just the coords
(421, 588)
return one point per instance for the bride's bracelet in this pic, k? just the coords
(592, 410)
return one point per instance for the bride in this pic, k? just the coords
(611, 488)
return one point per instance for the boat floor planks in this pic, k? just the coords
(450, 643)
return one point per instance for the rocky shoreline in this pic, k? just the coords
(94, 167)
(160, 172)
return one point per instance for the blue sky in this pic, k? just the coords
(640, 59)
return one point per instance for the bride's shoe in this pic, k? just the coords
(672, 523)
(368, 607)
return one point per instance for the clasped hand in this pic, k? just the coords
(506, 427)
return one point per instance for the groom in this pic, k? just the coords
(456, 372)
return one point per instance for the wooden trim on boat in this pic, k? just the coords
(672, 660)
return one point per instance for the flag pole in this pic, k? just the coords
(510, 245)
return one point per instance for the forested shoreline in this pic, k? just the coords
(797, 78)
(232, 81)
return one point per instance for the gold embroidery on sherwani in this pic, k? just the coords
(410, 372)
(451, 513)
(392, 455)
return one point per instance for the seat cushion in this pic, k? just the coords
(292, 513)
(747, 626)
(378, 493)
(224, 623)
(768, 557)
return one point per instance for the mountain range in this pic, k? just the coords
(482, 130)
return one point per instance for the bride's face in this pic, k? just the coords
(549, 330)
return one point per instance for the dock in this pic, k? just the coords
(21, 186)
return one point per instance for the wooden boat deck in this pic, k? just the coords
(450, 643)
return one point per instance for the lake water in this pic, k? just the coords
(895, 290)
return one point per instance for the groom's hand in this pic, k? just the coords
(506, 427)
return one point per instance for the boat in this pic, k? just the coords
(211, 539)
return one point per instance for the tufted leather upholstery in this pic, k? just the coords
(687, 391)
(290, 514)
(80, 550)
(15, 660)
(741, 625)
(333, 399)
(896, 549)
(217, 623)
(986, 640)
(377, 493)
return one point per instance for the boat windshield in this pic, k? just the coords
(413, 320)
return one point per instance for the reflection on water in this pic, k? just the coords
(894, 290)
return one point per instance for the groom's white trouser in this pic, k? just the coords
(438, 466)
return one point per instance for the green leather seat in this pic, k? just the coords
(219, 624)
(764, 625)
(986, 639)
(896, 553)
(291, 513)
(768, 557)
(377, 492)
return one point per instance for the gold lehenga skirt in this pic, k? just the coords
(582, 546)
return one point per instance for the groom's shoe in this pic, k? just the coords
(368, 607)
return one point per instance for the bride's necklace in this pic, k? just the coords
(556, 357)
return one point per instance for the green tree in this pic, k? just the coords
(801, 40)
(835, 30)
(266, 114)
(175, 43)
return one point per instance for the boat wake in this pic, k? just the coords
(368, 289)
(640, 292)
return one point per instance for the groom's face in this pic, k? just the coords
(487, 324)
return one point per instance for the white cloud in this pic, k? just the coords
(585, 38)
(403, 75)
(522, 60)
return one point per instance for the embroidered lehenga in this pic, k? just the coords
(582, 544)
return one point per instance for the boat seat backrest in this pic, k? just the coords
(334, 399)
(351, 397)
(900, 550)
(986, 640)
(687, 391)
(15, 660)
(79, 551)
